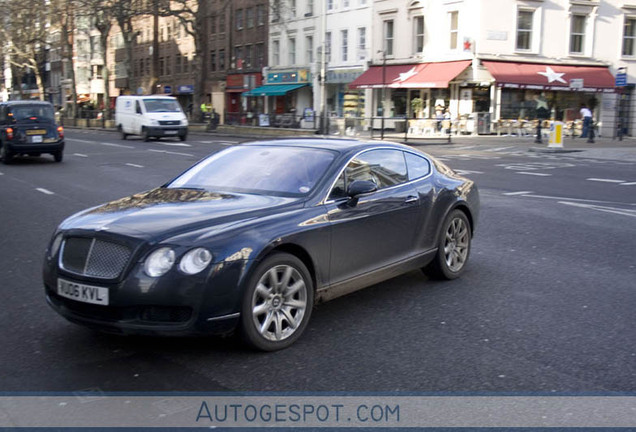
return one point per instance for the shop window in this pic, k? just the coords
(418, 33)
(388, 37)
(524, 29)
(629, 35)
(454, 29)
(577, 34)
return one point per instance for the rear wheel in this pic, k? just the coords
(453, 249)
(124, 135)
(58, 156)
(277, 303)
(5, 154)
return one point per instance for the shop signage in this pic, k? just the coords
(167, 89)
(185, 89)
(289, 77)
(343, 76)
(576, 83)
(621, 79)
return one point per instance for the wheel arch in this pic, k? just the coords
(300, 253)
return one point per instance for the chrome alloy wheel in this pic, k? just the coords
(279, 303)
(456, 244)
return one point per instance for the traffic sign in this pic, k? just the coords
(621, 79)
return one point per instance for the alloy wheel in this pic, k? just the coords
(456, 244)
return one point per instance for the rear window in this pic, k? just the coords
(35, 112)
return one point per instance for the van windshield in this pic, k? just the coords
(161, 105)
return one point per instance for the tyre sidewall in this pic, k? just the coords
(249, 333)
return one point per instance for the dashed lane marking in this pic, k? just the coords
(45, 191)
(622, 184)
(467, 172)
(605, 209)
(134, 165)
(99, 143)
(605, 180)
(517, 193)
(173, 144)
(533, 174)
(80, 155)
(170, 152)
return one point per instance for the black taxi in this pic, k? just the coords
(29, 128)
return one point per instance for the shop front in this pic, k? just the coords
(239, 109)
(530, 92)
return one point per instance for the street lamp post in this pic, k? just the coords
(383, 102)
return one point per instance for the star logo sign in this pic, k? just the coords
(406, 75)
(551, 75)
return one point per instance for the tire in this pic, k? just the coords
(124, 135)
(5, 155)
(277, 303)
(453, 249)
(144, 135)
(58, 156)
(183, 137)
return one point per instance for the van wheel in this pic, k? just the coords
(145, 135)
(183, 137)
(124, 135)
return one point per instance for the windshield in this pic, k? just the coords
(32, 112)
(161, 105)
(267, 170)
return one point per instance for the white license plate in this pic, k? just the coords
(170, 132)
(82, 293)
(36, 138)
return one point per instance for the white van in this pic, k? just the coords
(150, 116)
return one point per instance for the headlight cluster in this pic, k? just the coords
(55, 245)
(160, 261)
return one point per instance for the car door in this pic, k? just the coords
(377, 230)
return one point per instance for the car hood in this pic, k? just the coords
(163, 212)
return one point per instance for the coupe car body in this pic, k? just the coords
(251, 237)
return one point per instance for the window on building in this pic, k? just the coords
(238, 57)
(330, 4)
(239, 19)
(162, 66)
(147, 66)
(577, 34)
(249, 18)
(362, 43)
(169, 32)
(363, 2)
(454, 29)
(310, 8)
(524, 29)
(213, 60)
(344, 36)
(388, 37)
(275, 53)
(328, 46)
(168, 65)
(260, 15)
(345, 4)
(309, 49)
(222, 24)
(247, 56)
(292, 8)
(629, 35)
(291, 44)
(177, 63)
(275, 10)
(221, 60)
(259, 53)
(418, 33)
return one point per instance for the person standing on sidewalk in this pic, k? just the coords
(586, 115)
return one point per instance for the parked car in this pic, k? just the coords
(250, 238)
(29, 128)
(150, 116)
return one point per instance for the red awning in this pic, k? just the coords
(550, 77)
(421, 75)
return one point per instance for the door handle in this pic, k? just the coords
(411, 199)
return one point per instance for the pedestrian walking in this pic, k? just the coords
(586, 115)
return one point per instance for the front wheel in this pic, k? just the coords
(277, 303)
(453, 249)
(145, 135)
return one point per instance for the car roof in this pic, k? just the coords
(335, 144)
(26, 102)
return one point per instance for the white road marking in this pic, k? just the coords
(463, 148)
(622, 184)
(466, 172)
(173, 144)
(605, 180)
(134, 165)
(517, 193)
(169, 152)
(579, 200)
(45, 191)
(500, 148)
(613, 210)
(1, 173)
(80, 155)
(533, 173)
(99, 143)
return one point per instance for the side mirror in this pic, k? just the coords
(361, 187)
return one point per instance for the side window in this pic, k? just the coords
(417, 166)
(385, 168)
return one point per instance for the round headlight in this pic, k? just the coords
(195, 261)
(159, 262)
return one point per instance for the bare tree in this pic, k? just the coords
(24, 31)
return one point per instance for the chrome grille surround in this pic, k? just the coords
(93, 257)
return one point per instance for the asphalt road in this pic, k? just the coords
(547, 303)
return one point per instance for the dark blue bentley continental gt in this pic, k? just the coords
(251, 237)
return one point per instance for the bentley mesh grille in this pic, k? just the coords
(94, 258)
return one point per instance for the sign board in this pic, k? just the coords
(576, 83)
(185, 89)
(263, 120)
(556, 135)
(621, 79)
(308, 114)
(167, 89)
